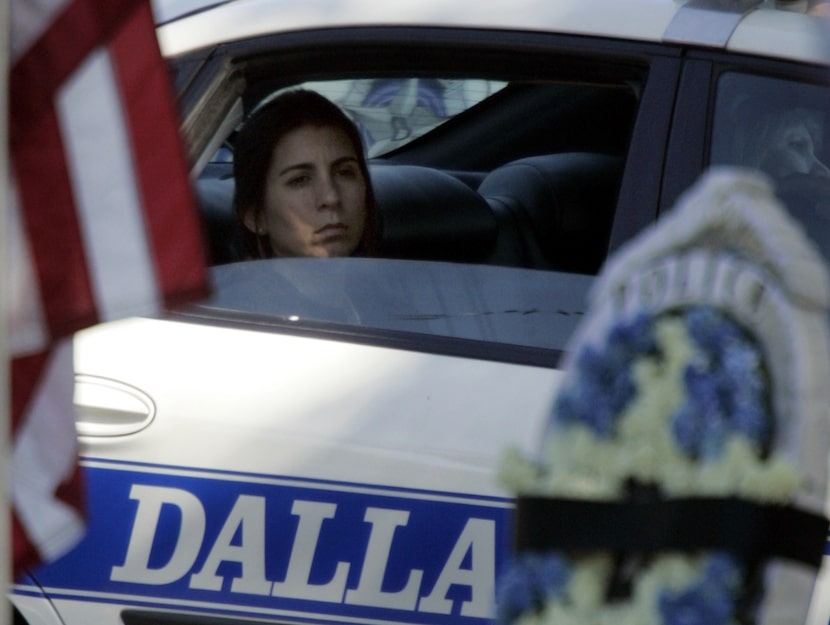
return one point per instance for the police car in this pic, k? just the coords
(319, 441)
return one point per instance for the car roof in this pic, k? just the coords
(758, 27)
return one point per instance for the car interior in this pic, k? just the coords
(528, 177)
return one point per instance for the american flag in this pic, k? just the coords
(101, 225)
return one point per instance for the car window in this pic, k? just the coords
(495, 202)
(392, 112)
(510, 306)
(779, 127)
(536, 167)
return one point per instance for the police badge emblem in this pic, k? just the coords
(683, 472)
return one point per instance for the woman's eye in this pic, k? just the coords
(347, 172)
(298, 181)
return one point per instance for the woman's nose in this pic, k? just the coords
(327, 192)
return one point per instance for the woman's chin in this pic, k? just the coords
(334, 248)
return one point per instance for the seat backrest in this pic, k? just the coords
(427, 214)
(563, 205)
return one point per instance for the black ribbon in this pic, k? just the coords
(751, 531)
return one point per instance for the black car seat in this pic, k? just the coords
(563, 205)
(214, 194)
(428, 214)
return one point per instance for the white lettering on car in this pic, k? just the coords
(247, 516)
(242, 540)
(368, 591)
(136, 567)
(479, 537)
(312, 514)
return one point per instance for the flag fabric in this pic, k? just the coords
(101, 225)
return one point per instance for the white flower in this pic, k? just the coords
(517, 473)
(587, 586)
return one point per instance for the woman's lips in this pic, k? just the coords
(331, 229)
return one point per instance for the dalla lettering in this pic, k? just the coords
(242, 540)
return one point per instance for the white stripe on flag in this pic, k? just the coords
(44, 456)
(27, 332)
(30, 20)
(109, 207)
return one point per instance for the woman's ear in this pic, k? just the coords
(250, 219)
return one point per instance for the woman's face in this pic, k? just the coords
(315, 195)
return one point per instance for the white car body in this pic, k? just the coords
(313, 449)
(638, 20)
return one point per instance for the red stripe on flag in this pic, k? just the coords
(54, 235)
(174, 234)
(36, 76)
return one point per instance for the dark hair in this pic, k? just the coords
(254, 148)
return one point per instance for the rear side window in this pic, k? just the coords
(782, 128)
(472, 170)
(392, 112)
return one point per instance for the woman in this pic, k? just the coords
(302, 182)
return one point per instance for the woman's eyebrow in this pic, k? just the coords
(298, 166)
(344, 159)
(309, 166)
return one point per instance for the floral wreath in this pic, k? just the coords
(671, 405)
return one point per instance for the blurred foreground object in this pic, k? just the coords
(683, 476)
(102, 225)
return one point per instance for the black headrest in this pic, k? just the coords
(215, 199)
(567, 201)
(427, 214)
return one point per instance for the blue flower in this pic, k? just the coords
(725, 384)
(695, 607)
(698, 425)
(725, 387)
(687, 428)
(635, 337)
(710, 601)
(582, 405)
(529, 581)
(603, 384)
(710, 328)
(744, 376)
(723, 569)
